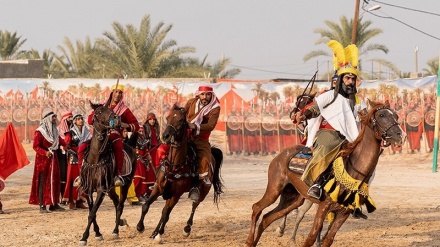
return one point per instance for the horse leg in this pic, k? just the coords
(300, 216)
(271, 194)
(140, 227)
(166, 211)
(118, 203)
(280, 229)
(320, 215)
(93, 208)
(340, 218)
(290, 199)
(189, 223)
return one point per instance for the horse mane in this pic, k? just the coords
(364, 117)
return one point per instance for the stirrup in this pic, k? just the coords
(77, 182)
(119, 181)
(315, 191)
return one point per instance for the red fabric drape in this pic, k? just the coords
(12, 154)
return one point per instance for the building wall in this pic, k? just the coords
(22, 69)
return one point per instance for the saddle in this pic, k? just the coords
(299, 162)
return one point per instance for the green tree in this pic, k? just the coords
(432, 66)
(10, 45)
(342, 32)
(143, 52)
(76, 61)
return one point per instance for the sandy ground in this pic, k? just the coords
(405, 190)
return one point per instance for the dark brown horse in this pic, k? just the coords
(97, 171)
(177, 173)
(379, 126)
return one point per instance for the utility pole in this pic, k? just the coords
(355, 22)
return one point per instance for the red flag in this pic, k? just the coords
(9, 93)
(12, 154)
(33, 93)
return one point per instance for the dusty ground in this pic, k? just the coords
(405, 190)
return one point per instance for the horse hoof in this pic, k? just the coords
(186, 234)
(186, 231)
(99, 238)
(115, 235)
(140, 228)
(279, 232)
(157, 239)
(82, 243)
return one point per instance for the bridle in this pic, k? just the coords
(381, 132)
(176, 134)
(102, 130)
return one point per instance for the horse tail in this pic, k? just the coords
(217, 179)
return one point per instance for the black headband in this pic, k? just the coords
(48, 114)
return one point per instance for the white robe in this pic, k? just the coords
(339, 115)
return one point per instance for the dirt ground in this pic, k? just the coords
(405, 190)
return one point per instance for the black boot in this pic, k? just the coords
(357, 214)
(315, 191)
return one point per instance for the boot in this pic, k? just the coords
(80, 204)
(194, 194)
(315, 191)
(357, 214)
(56, 207)
(43, 210)
(72, 206)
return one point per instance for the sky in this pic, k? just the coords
(266, 39)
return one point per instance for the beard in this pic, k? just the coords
(350, 89)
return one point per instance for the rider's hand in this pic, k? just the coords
(48, 154)
(124, 125)
(192, 126)
(299, 117)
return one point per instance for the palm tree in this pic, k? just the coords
(10, 45)
(77, 61)
(432, 66)
(342, 33)
(143, 52)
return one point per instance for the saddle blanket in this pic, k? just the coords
(299, 162)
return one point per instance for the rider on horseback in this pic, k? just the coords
(333, 120)
(128, 122)
(202, 116)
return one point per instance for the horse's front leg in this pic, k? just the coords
(340, 218)
(320, 215)
(169, 205)
(93, 208)
(140, 227)
(189, 223)
(118, 203)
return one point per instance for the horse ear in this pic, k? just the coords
(93, 106)
(363, 112)
(387, 103)
(371, 103)
(313, 95)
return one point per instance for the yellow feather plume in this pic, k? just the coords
(352, 55)
(338, 52)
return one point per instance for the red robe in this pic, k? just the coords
(51, 173)
(70, 192)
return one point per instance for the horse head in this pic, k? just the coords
(384, 122)
(303, 100)
(104, 118)
(176, 126)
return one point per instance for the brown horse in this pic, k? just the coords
(97, 170)
(379, 126)
(177, 173)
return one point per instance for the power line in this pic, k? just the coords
(392, 18)
(274, 72)
(397, 6)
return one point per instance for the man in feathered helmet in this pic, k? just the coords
(332, 118)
